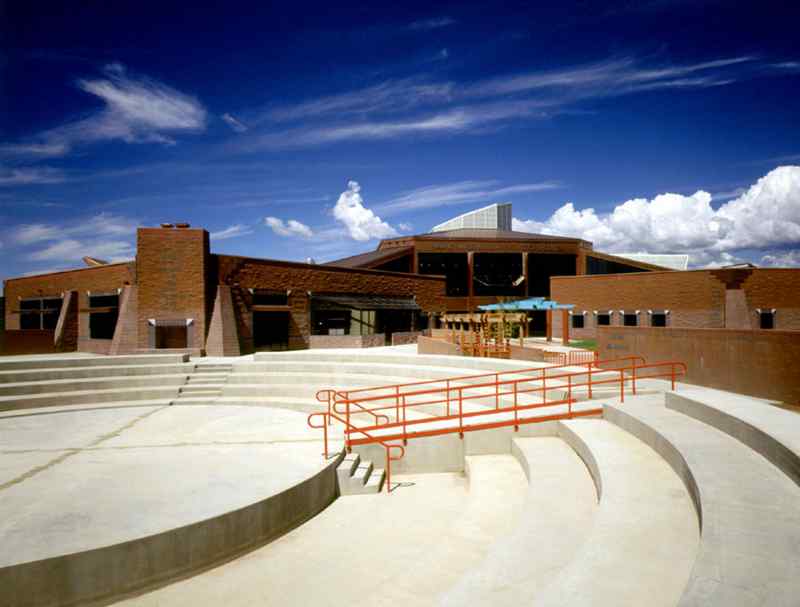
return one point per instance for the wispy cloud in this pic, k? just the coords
(399, 108)
(234, 123)
(461, 192)
(136, 110)
(30, 176)
(432, 23)
(233, 231)
(292, 227)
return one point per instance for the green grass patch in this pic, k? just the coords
(587, 344)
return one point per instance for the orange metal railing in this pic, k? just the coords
(378, 403)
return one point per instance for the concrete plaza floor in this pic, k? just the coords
(76, 478)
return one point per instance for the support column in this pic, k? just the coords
(525, 271)
(471, 289)
(565, 327)
(549, 332)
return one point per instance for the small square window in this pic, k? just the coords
(630, 320)
(577, 321)
(603, 320)
(30, 321)
(658, 319)
(767, 320)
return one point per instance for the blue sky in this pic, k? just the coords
(302, 131)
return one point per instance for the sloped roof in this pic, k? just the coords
(371, 258)
(673, 262)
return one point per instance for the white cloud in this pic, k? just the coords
(73, 250)
(291, 228)
(136, 110)
(782, 259)
(461, 192)
(361, 222)
(432, 24)
(30, 175)
(234, 123)
(36, 232)
(233, 231)
(766, 215)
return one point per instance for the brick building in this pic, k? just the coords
(177, 295)
(729, 298)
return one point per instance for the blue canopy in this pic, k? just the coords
(534, 303)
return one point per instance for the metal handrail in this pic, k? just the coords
(327, 399)
(388, 448)
(675, 367)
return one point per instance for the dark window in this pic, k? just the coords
(542, 266)
(603, 320)
(595, 265)
(104, 301)
(451, 265)
(175, 336)
(658, 319)
(767, 320)
(102, 325)
(270, 298)
(577, 321)
(103, 322)
(498, 274)
(38, 314)
(331, 322)
(630, 320)
(271, 330)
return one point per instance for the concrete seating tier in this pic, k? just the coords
(104, 383)
(643, 539)
(87, 397)
(46, 374)
(748, 508)
(49, 362)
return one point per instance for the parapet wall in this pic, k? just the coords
(757, 363)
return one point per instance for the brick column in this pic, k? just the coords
(565, 327)
(223, 338)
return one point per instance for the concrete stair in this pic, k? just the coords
(357, 476)
(204, 385)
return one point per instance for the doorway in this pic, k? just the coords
(271, 331)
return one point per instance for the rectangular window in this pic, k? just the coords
(630, 320)
(658, 319)
(270, 298)
(453, 266)
(39, 313)
(603, 320)
(577, 321)
(103, 314)
(767, 320)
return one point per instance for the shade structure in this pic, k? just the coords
(522, 305)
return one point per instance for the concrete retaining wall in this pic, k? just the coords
(430, 345)
(347, 341)
(105, 573)
(756, 363)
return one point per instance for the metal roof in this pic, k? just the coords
(365, 302)
(371, 258)
(489, 234)
(673, 262)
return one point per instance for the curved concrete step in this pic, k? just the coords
(106, 383)
(53, 362)
(553, 523)
(768, 430)
(29, 375)
(643, 540)
(86, 397)
(749, 510)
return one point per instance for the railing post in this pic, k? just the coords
(329, 421)
(633, 380)
(544, 388)
(397, 402)
(496, 390)
(569, 394)
(672, 373)
(590, 379)
(461, 412)
(448, 397)
(388, 470)
(347, 429)
(516, 411)
(405, 428)
(621, 386)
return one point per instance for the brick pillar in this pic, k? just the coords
(565, 327)
(66, 334)
(549, 332)
(126, 334)
(223, 338)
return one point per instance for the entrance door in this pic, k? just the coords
(171, 336)
(271, 330)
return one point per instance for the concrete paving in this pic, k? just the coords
(115, 474)
(404, 549)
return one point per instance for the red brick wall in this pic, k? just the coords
(244, 273)
(172, 267)
(695, 299)
(757, 363)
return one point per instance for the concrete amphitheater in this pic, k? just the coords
(159, 480)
